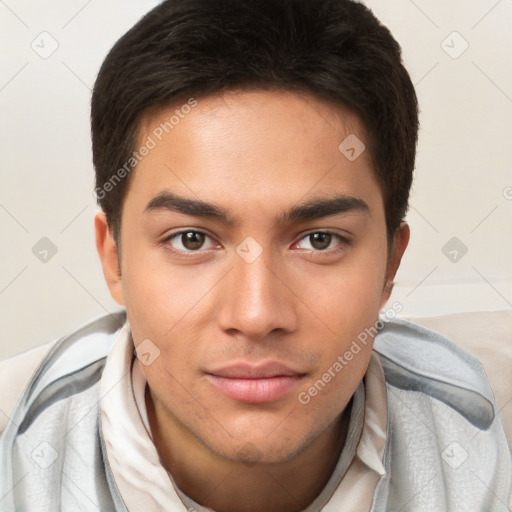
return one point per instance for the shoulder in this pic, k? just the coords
(445, 439)
(15, 373)
(55, 424)
(416, 358)
(487, 336)
(30, 373)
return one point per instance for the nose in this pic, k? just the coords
(256, 299)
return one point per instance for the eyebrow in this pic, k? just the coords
(311, 210)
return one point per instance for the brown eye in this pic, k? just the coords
(192, 240)
(320, 241)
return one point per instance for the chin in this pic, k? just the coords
(251, 450)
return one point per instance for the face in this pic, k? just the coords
(254, 253)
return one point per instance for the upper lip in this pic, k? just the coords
(255, 371)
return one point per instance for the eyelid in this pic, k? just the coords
(182, 231)
(328, 231)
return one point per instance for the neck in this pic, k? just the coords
(225, 485)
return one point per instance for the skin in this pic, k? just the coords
(256, 154)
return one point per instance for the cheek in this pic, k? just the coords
(165, 308)
(348, 304)
(158, 294)
(348, 298)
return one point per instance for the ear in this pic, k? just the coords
(400, 242)
(107, 251)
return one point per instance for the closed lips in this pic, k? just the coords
(266, 371)
(255, 384)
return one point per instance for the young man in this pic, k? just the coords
(253, 164)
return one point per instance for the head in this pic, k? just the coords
(253, 165)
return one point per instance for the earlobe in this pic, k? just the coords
(107, 251)
(400, 242)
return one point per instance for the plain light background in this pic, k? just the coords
(458, 55)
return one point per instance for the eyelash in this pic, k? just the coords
(344, 242)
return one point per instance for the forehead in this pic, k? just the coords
(298, 111)
(261, 147)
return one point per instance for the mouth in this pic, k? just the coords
(263, 383)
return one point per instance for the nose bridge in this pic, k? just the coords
(255, 301)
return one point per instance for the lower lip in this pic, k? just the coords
(256, 391)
